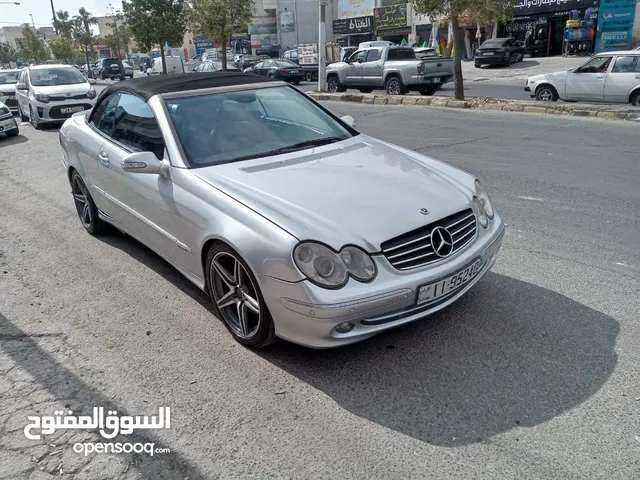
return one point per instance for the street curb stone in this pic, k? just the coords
(605, 112)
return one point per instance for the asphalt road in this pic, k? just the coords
(534, 374)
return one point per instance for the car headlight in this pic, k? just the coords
(485, 203)
(91, 93)
(42, 98)
(329, 269)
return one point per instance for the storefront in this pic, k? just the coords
(350, 32)
(390, 23)
(541, 24)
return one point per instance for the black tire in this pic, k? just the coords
(234, 294)
(334, 85)
(521, 57)
(394, 86)
(23, 117)
(365, 90)
(635, 99)
(33, 120)
(86, 209)
(308, 76)
(508, 61)
(477, 65)
(427, 91)
(123, 78)
(13, 133)
(546, 93)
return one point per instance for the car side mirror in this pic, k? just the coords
(92, 81)
(21, 86)
(144, 162)
(359, 60)
(349, 120)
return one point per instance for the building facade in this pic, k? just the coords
(13, 35)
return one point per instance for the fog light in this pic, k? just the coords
(345, 327)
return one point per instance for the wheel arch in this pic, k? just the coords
(635, 90)
(547, 84)
(393, 73)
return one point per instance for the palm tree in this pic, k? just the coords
(81, 29)
(65, 24)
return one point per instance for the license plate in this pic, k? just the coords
(115, 67)
(428, 293)
(436, 80)
(71, 109)
(488, 53)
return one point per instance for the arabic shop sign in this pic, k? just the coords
(393, 16)
(350, 26)
(615, 25)
(263, 29)
(532, 7)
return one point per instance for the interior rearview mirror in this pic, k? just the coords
(21, 86)
(349, 120)
(142, 162)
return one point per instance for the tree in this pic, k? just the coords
(219, 19)
(121, 35)
(62, 48)
(32, 47)
(485, 12)
(8, 54)
(81, 31)
(65, 24)
(155, 22)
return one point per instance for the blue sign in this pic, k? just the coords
(615, 25)
(202, 43)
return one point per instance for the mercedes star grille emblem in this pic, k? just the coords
(424, 211)
(442, 242)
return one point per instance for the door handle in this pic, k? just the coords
(104, 158)
(599, 76)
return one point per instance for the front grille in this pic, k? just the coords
(10, 102)
(414, 249)
(55, 112)
(61, 98)
(4, 111)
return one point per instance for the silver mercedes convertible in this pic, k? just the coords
(296, 225)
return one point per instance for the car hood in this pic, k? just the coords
(61, 89)
(360, 191)
(337, 65)
(550, 77)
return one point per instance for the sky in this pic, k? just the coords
(15, 15)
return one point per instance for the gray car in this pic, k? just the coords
(295, 224)
(611, 77)
(8, 80)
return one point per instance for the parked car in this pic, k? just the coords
(192, 64)
(173, 64)
(8, 80)
(278, 69)
(422, 52)
(612, 77)
(8, 124)
(394, 68)
(247, 61)
(110, 68)
(52, 93)
(128, 69)
(257, 184)
(215, 66)
(499, 51)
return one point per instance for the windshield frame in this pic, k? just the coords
(229, 89)
(74, 70)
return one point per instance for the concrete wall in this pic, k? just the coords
(306, 21)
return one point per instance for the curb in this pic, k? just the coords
(480, 103)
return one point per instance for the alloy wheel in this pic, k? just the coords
(332, 85)
(393, 87)
(546, 95)
(235, 295)
(81, 200)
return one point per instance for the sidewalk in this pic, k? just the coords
(522, 70)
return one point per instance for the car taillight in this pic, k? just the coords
(420, 69)
(282, 70)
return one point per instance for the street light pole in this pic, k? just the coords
(55, 20)
(322, 63)
(32, 22)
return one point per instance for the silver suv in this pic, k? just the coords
(52, 93)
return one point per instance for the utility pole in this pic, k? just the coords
(55, 20)
(322, 62)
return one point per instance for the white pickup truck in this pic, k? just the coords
(394, 68)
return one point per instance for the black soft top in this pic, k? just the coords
(147, 87)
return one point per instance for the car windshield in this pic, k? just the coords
(233, 126)
(45, 77)
(493, 43)
(9, 76)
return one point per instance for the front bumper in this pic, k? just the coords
(7, 122)
(307, 315)
(54, 111)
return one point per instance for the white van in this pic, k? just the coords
(174, 65)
